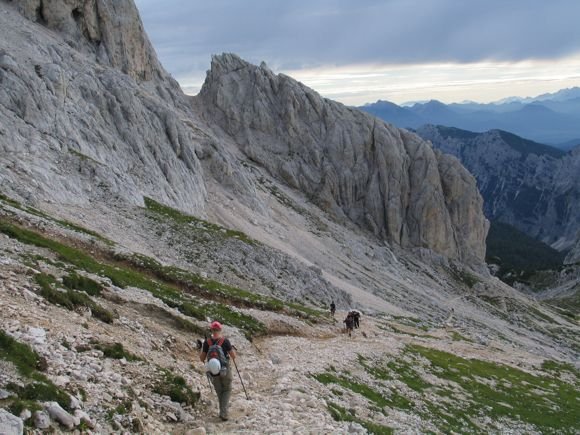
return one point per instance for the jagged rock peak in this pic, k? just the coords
(72, 130)
(349, 163)
(111, 30)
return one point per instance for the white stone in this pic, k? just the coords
(41, 420)
(10, 424)
(61, 381)
(75, 403)
(84, 417)
(58, 414)
(25, 414)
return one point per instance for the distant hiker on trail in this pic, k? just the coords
(332, 308)
(216, 352)
(356, 318)
(349, 322)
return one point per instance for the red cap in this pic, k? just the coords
(216, 325)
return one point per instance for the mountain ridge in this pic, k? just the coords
(544, 121)
(527, 185)
(339, 167)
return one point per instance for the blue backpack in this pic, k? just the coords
(215, 350)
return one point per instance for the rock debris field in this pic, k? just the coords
(311, 379)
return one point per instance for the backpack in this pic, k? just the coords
(216, 351)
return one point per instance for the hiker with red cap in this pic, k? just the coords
(216, 352)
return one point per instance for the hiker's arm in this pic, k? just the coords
(232, 354)
(202, 356)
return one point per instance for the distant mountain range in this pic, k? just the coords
(549, 118)
(530, 186)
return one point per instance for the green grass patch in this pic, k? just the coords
(181, 218)
(176, 389)
(63, 223)
(70, 299)
(411, 321)
(10, 201)
(501, 391)
(398, 330)
(394, 401)
(83, 157)
(220, 292)
(19, 405)
(377, 371)
(122, 408)
(27, 361)
(74, 281)
(395, 369)
(24, 358)
(41, 392)
(558, 366)
(456, 336)
(116, 351)
(339, 413)
(124, 276)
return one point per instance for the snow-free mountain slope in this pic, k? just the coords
(533, 187)
(349, 163)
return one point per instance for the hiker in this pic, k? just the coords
(349, 321)
(356, 319)
(216, 352)
(332, 308)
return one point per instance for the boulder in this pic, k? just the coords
(58, 414)
(41, 420)
(10, 424)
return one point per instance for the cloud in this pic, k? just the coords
(306, 34)
(483, 81)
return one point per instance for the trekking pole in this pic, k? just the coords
(240, 376)
(211, 385)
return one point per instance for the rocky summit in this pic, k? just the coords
(132, 215)
(350, 164)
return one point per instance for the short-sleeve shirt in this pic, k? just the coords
(226, 346)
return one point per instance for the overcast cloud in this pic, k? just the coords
(294, 35)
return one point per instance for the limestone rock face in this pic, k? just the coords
(93, 116)
(352, 165)
(110, 30)
(530, 186)
(77, 121)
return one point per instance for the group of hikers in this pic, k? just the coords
(216, 352)
(352, 320)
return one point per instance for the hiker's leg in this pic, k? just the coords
(226, 393)
(217, 383)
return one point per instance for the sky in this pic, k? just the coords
(360, 51)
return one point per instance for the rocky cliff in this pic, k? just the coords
(530, 186)
(350, 164)
(109, 31)
(87, 112)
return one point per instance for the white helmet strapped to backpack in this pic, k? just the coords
(214, 366)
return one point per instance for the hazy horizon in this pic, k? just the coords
(399, 51)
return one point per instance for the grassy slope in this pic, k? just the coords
(459, 394)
